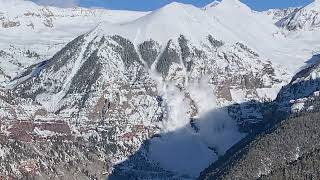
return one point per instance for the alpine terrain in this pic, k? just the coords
(181, 92)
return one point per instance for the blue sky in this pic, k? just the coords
(154, 4)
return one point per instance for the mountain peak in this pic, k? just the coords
(231, 1)
(166, 23)
(228, 5)
(234, 3)
(175, 6)
(211, 5)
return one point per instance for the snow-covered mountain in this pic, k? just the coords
(136, 75)
(299, 95)
(211, 5)
(278, 45)
(26, 16)
(30, 33)
(136, 88)
(306, 18)
(279, 14)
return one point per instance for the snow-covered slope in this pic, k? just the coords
(211, 5)
(252, 28)
(306, 18)
(278, 14)
(19, 15)
(303, 26)
(244, 23)
(169, 22)
(30, 33)
(42, 31)
(302, 93)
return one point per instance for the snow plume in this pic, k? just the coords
(58, 3)
(202, 94)
(188, 152)
(187, 147)
(179, 105)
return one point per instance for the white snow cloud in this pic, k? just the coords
(58, 3)
(187, 152)
(181, 148)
